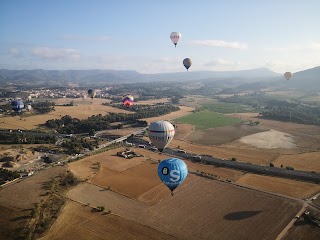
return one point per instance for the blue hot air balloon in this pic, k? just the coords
(172, 172)
(17, 105)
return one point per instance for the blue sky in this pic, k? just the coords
(135, 35)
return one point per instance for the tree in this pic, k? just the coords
(233, 159)
(271, 165)
(92, 132)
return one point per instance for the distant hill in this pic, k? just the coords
(307, 80)
(96, 77)
(58, 77)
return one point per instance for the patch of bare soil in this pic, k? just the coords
(270, 139)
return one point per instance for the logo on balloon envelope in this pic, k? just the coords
(172, 172)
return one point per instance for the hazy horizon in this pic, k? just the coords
(125, 35)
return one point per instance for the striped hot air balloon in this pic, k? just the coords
(161, 134)
(127, 100)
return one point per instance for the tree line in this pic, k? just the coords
(68, 125)
(26, 138)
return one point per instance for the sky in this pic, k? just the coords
(223, 35)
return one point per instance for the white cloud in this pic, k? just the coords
(55, 53)
(220, 43)
(316, 45)
(84, 38)
(15, 52)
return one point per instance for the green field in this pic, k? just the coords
(207, 119)
(228, 108)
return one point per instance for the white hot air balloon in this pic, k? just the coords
(28, 107)
(175, 36)
(288, 75)
(161, 134)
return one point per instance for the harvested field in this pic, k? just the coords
(304, 161)
(130, 177)
(132, 183)
(288, 127)
(84, 224)
(221, 135)
(84, 168)
(195, 101)
(81, 111)
(270, 139)
(212, 208)
(223, 173)
(257, 156)
(182, 112)
(25, 194)
(152, 101)
(80, 101)
(182, 130)
(12, 220)
(282, 186)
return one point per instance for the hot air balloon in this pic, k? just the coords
(288, 75)
(172, 172)
(187, 63)
(161, 134)
(28, 107)
(17, 105)
(91, 93)
(127, 100)
(29, 98)
(175, 36)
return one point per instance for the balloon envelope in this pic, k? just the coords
(175, 36)
(187, 63)
(172, 172)
(161, 134)
(288, 75)
(28, 107)
(127, 100)
(17, 106)
(91, 93)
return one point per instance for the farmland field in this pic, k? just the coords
(303, 231)
(304, 161)
(207, 119)
(182, 112)
(221, 135)
(84, 224)
(228, 108)
(25, 194)
(211, 210)
(257, 156)
(282, 186)
(82, 110)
